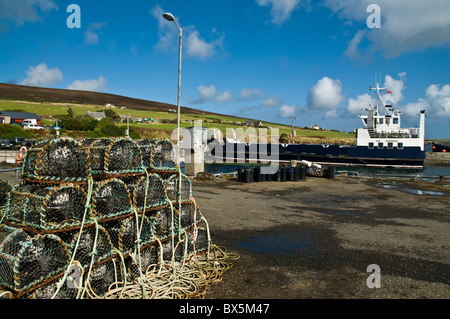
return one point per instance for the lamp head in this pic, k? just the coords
(169, 16)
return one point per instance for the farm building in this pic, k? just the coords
(8, 117)
(96, 115)
(253, 123)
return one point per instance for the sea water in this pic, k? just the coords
(428, 172)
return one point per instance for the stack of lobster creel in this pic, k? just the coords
(94, 213)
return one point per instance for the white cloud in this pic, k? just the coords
(248, 94)
(198, 47)
(41, 75)
(396, 87)
(91, 34)
(362, 102)
(412, 109)
(353, 51)
(207, 93)
(405, 25)
(287, 111)
(210, 94)
(436, 102)
(271, 101)
(326, 95)
(439, 99)
(21, 11)
(96, 85)
(194, 45)
(331, 114)
(280, 10)
(167, 31)
(225, 97)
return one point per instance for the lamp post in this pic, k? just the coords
(293, 131)
(169, 17)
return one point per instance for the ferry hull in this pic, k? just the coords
(408, 157)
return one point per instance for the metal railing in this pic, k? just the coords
(16, 169)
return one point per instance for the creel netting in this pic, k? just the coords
(124, 233)
(173, 191)
(163, 157)
(56, 161)
(114, 157)
(111, 200)
(5, 188)
(45, 209)
(27, 261)
(94, 235)
(111, 205)
(149, 191)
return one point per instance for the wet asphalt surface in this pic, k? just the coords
(315, 238)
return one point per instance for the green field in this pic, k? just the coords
(49, 112)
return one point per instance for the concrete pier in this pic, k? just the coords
(437, 159)
(194, 141)
(315, 239)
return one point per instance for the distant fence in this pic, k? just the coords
(8, 156)
(17, 170)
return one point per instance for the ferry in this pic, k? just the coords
(381, 142)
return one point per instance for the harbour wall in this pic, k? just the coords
(442, 159)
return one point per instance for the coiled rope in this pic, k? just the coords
(87, 207)
(166, 279)
(171, 280)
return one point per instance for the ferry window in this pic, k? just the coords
(380, 145)
(380, 121)
(388, 121)
(390, 145)
(370, 145)
(400, 145)
(395, 120)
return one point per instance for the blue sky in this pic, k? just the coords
(263, 59)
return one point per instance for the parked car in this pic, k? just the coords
(28, 122)
(17, 142)
(32, 127)
(5, 144)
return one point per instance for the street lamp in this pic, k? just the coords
(169, 17)
(293, 131)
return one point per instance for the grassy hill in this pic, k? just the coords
(52, 104)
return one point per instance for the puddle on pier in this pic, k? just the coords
(396, 186)
(284, 244)
(421, 192)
